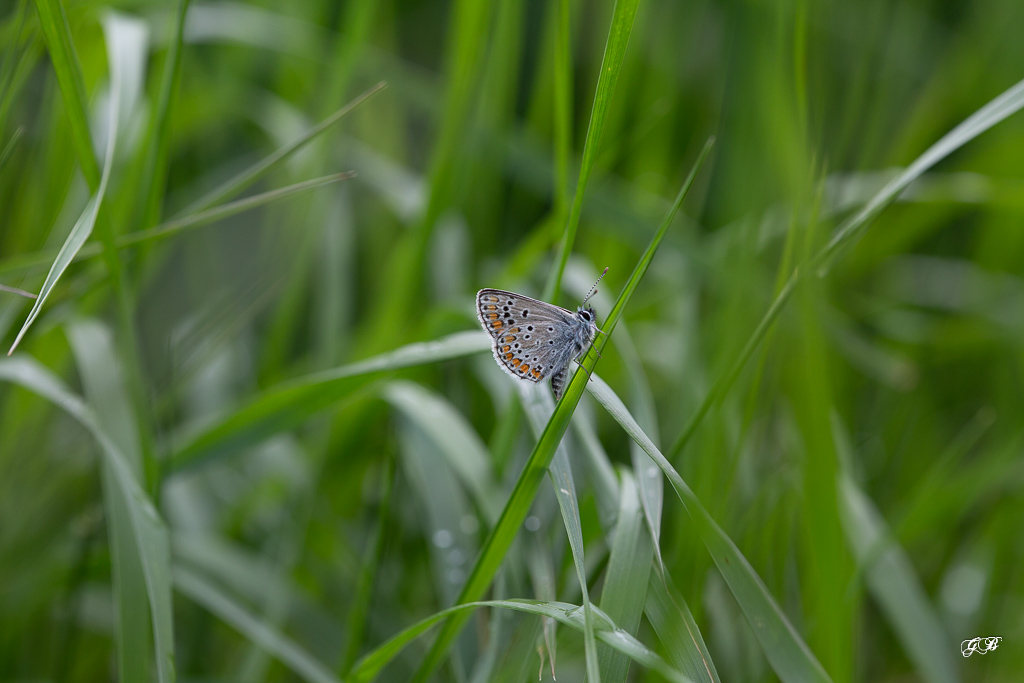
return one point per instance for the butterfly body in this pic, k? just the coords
(534, 340)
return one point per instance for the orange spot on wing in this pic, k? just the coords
(493, 316)
(516, 362)
(497, 324)
(506, 349)
(508, 356)
(525, 368)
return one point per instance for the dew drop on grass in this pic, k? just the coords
(532, 523)
(442, 538)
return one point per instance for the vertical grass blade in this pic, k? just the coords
(674, 623)
(158, 136)
(563, 107)
(148, 530)
(102, 379)
(539, 406)
(66, 65)
(518, 505)
(785, 650)
(629, 567)
(469, 29)
(611, 63)
(895, 586)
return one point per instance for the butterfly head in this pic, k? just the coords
(586, 315)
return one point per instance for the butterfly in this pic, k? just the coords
(535, 340)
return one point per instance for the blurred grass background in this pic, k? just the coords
(188, 407)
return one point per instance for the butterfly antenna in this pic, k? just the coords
(593, 290)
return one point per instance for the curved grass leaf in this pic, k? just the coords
(83, 227)
(259, 631)
(65, 62)
(75, 239)
(785, 650)
(1009, 102)
(611, 64)
(454, 437)
(1006, 104)
(518, 505)
(564, 613)
(239, 182)
(289, 405)
(147, 528)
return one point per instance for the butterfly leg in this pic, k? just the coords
(590, 375)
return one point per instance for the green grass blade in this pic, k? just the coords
(289, 405)
(83, 227)
(469, 28)
(154, 172)
(442, 507)
(564, 613)
(629, 567)
(539, 406)
(216, 213)
(9, 147)
(148, 530)
(674, 623)
(454, 437)
(359, 613)
(66, 65)
(563, 85)
(785, 650)
(611, 63)
(1006, 104)
(102, 379)
(894, 584)
(239, 182)
(600, 471)
(518, 505)
(179, 225)
(259, 631)
(17, 292)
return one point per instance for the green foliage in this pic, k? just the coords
(251, 429)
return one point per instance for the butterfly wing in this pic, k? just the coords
(529, 336)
